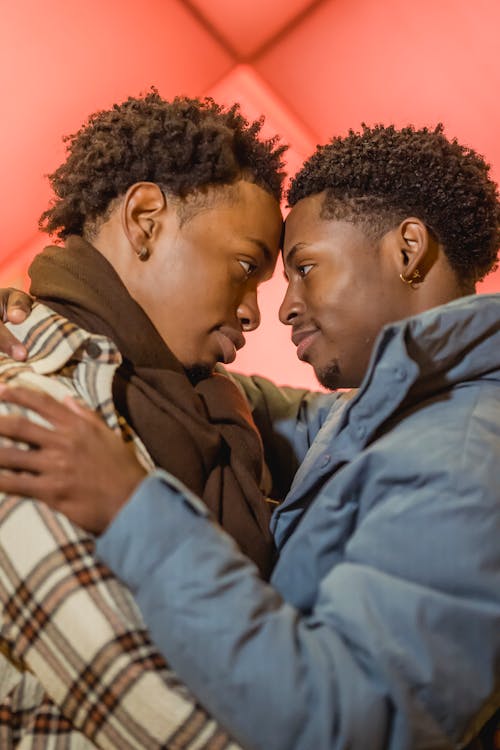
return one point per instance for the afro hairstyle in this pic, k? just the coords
(184, 146)
(380, 176)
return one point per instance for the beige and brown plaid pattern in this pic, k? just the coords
(77, 669)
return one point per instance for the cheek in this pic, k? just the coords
(188, 296)
(348, 320)
(203, 307)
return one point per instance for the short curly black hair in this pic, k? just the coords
(382, 175)
(183, 145)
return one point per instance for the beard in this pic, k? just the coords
(195, 373)
(329, 375)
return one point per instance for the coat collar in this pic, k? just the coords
(412, 359)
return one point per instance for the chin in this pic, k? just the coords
(329, 375)
(197, 372)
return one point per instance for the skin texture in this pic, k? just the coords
(344, 287)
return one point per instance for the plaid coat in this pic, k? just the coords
(77, 668)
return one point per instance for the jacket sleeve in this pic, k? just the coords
(75, 659)
(288, 420)
(383, 659)
(277, 678)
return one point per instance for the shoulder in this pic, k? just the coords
(58, 356)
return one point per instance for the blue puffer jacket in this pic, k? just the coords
(381, 626)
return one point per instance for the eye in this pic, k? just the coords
(304, 270)
(248, 266)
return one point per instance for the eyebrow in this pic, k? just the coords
(262, 246)
(290, 255)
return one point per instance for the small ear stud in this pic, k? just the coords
(143, 253)
(413, 281)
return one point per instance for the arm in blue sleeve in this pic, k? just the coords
(268, 674)
(386, 659)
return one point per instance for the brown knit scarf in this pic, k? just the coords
(202, 434)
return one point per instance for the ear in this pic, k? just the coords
(142, 209)
(416, 249)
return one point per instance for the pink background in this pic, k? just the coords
(313, 68)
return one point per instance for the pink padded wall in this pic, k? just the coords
(313, 68)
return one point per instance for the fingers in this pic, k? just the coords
(26, 485)
(80, 409)
(31, 486)
(55, 412)
(20, 429)
(17, 306)
(11, 346)
(13, 458)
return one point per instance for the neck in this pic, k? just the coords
(112, 243)
(440, 286)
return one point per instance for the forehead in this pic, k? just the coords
(304, 221)
(236, 217)
(242, 204)
(306, 229)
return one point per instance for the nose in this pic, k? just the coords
(248, 311)
(292, 305)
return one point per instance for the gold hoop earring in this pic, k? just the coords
(143, 253)
(413, 281)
